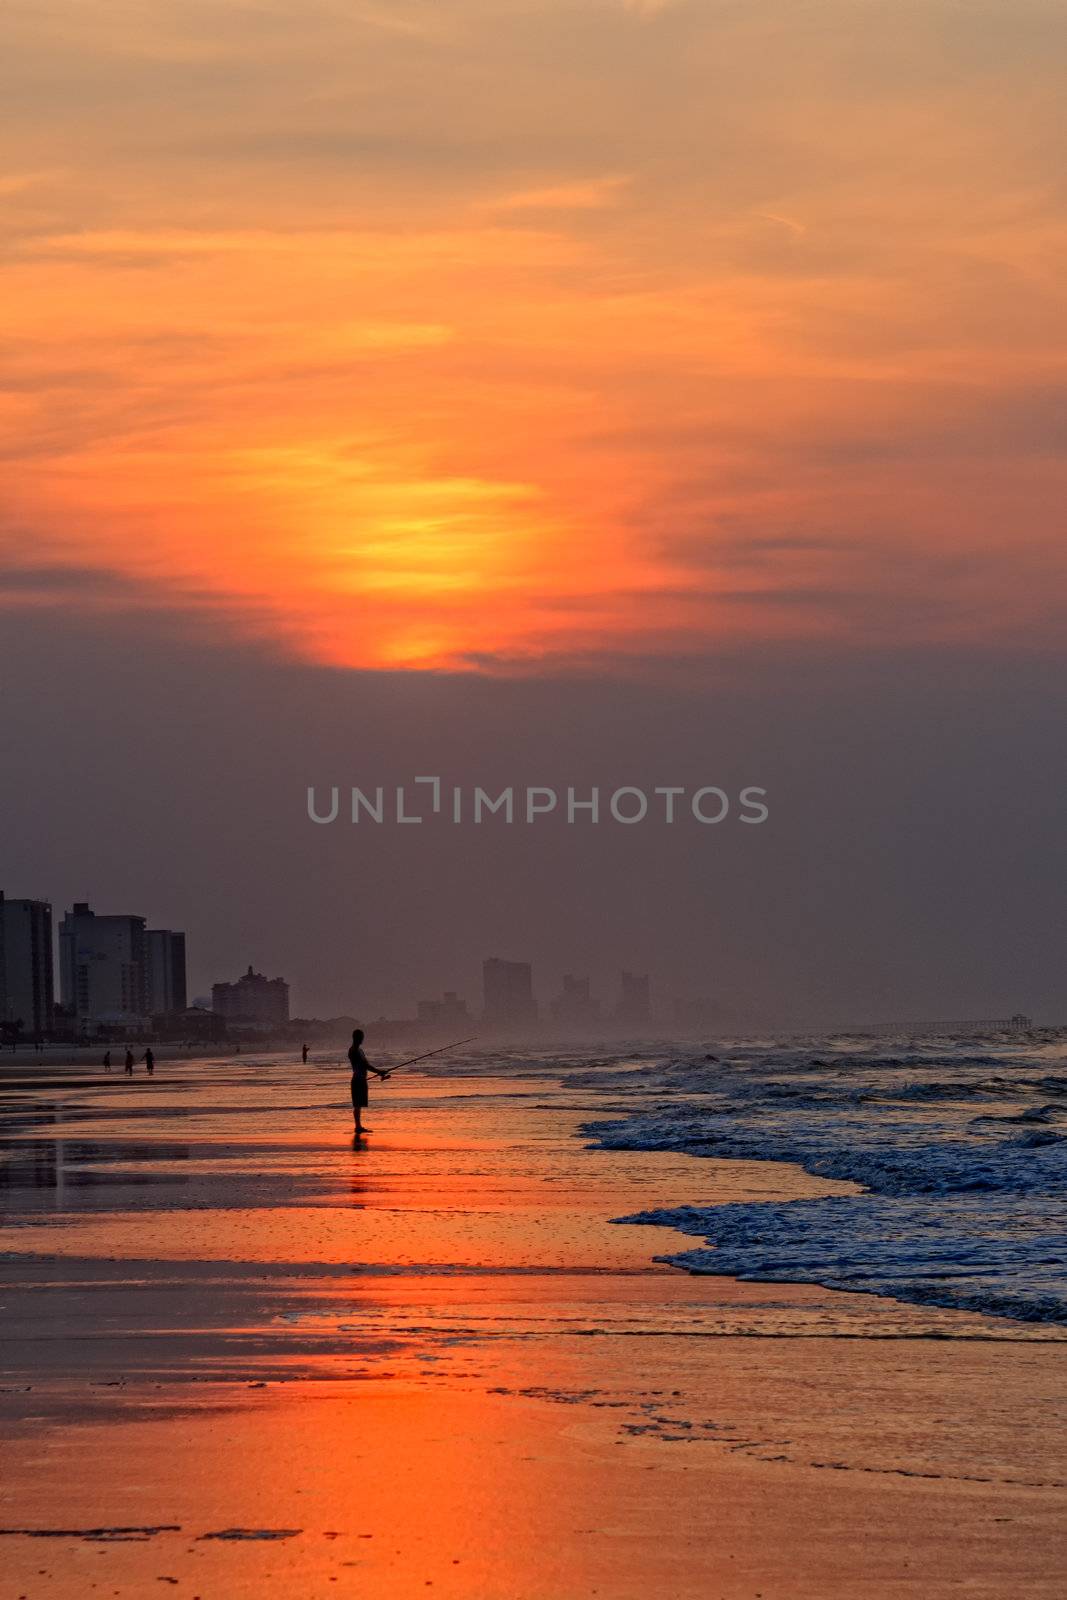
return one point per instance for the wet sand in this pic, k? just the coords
(241, 1357)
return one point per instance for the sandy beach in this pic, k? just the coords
(241, 1357)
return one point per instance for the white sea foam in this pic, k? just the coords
(962, 1152)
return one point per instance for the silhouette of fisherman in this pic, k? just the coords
(129, 1063)
(360, 1068)
(304, 1055)
(149, 1061)
(107, 1060)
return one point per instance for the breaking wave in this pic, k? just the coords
(962, 1157)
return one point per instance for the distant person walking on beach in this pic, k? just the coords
(149, 1061)
(304, 1055)
(129, 1063)
(360, 1068)
(107, 1060)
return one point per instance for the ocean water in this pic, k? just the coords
(960, 1149)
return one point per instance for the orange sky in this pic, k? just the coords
(518, 334)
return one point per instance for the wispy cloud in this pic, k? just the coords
(648, 8)
(531, 332)
(589, 195)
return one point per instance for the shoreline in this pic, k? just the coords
(437, 1357)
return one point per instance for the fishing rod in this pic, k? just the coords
(425, 1057)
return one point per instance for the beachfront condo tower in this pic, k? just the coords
(26, 979)
(165, 971)
(254, 999)
(508, 993)
(102, 965)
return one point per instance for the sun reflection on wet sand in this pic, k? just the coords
(434, 1362)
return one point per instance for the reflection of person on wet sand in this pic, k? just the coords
(360, 1068)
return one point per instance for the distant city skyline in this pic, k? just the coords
(111, 964)
(115, 970)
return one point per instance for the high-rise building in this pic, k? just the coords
(165, 971)
(575, 1007)
(508, 993)
(102, 965)
(26, 973)
(254, 999)
(450, 1008)
(634, 1009)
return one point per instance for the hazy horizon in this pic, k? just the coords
(911, 865)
